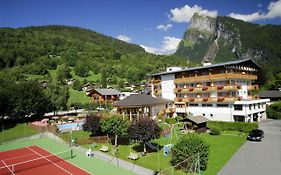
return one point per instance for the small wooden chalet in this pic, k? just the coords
(104, 95)
(137, 105)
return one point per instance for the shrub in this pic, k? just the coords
(215, 131)
(185, 152)
(233, 126)
(170, 120)
(274, 111)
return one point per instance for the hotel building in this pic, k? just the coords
(223, 92)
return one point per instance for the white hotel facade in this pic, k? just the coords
(222, 92)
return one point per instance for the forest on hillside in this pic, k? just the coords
(37, 50)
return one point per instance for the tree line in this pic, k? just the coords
(35, 50)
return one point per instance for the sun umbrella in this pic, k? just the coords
(65, 117)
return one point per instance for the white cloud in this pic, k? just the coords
(274, 11)
(169, 46)
(124, 38)
(164, 27)
(185, 13)
(249, 17)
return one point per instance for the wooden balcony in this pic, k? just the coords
(203, 89)
(215, 77)
(177, 99)
(253, 88)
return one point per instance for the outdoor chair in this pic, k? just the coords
(133, 156)
(104, 148)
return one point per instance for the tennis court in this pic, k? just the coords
(34, 160)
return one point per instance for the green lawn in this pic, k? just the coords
(16, 132)
(77, 96)
(221, 150)
(92, 165)
(92, 76)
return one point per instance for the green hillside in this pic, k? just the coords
(36, 50)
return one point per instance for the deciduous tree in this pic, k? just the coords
(115, 125)
(145, 129)
(187, 150)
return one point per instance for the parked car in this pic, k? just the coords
(256, 135)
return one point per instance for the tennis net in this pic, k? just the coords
(18, 166)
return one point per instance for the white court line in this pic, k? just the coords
(49, 160)
(8, 167)
(70, 163)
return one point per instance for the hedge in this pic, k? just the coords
(215, 131)
(233, 126)
(274, 111)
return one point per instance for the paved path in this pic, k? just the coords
(124, 164)
(258, 158)
(110, 159)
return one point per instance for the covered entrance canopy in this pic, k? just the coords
(137, 105)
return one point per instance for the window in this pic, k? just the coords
(238, 107)
(222, 105)
(250, 107)
(207, 105)
(203, 115)
(211, 115)
(193, 104)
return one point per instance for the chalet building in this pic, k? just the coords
(223, 92)
(104, 95)
(139, 105)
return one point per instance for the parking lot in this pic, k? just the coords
(258, 158)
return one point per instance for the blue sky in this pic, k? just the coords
(157, 25)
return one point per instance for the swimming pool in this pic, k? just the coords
(70, 126)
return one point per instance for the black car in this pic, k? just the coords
(256, 135)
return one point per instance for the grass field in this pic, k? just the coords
(77, 96)
(221, 150)
(16, 132)
(92, 76)
(93, 165)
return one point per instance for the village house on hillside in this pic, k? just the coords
(104, 95)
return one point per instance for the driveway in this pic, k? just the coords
(258, 158)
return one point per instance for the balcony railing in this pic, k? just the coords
(253, 88)
(203, 89)
(214, 77)
(209, 99)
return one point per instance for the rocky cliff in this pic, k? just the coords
(224, 39)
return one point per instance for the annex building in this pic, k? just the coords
(223, 92)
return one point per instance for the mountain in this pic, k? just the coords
(38, 49)
(224, 39)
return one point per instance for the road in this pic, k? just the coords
(258, 158)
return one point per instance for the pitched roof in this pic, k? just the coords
(197, 119)
(106, 91)
(211, 66)
(138, 100)
(270, 94)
